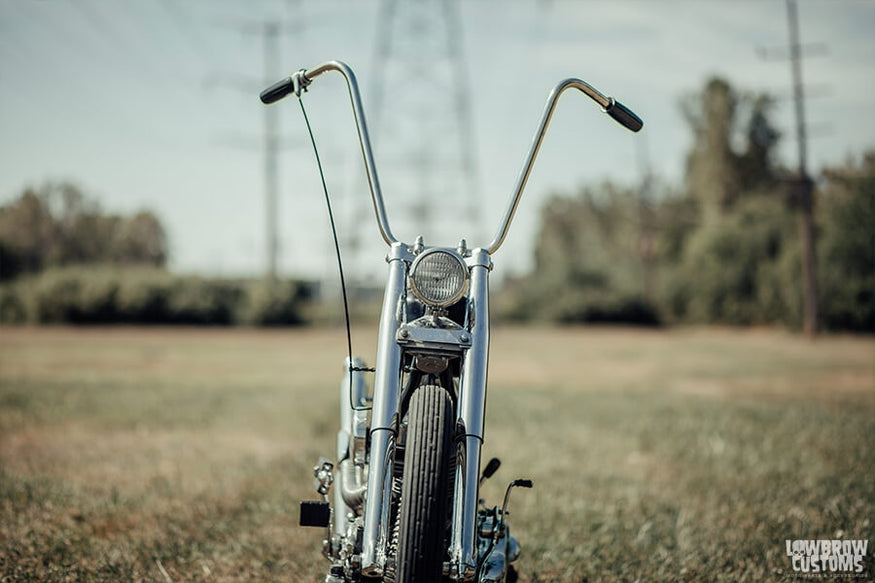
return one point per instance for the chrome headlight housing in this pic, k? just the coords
(438, 277)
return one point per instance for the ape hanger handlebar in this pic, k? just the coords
(611, 106)
(299, 81)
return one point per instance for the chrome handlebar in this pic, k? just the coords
(609, 105)
(299, 81)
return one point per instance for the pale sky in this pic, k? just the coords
(155, 105)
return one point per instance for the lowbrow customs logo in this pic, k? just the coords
(827, 557)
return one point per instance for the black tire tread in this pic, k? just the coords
(424, 491)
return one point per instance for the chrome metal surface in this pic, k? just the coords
(350, 485)
(473, 383)
(513, 547)
(445, 340)
(497, 549)
(423, 278)
(364, 541)
(386, 392)
(494, 568)
(351, 442)
(514, 201)
(353, 417)
(472, 403)
(364, 138)
(322, 476)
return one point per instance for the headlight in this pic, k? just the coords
(438, 277)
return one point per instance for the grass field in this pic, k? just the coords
(680, 455)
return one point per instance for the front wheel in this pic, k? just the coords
(425, 486)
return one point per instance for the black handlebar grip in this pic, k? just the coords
(523, 483)
(624, 115)
(277, 91)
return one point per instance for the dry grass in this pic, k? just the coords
(128, 454)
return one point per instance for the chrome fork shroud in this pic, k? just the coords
(386, 394)
(472, 409)
(472, 394)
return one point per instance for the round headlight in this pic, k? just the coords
(438, 277)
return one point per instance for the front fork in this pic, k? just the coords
(471, 411)
(387, 381)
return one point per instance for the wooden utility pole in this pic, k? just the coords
(803, 186)
(270, 34)
(270, 143)
(645, 223)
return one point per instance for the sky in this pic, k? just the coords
(154, 105)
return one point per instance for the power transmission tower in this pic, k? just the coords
(422, 115)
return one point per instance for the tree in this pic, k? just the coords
(711, 176)
(58, 225)
(847, 246)
(140, 239)
(736, 271)
(588, 261)
(733, 145)
(27, 233)
(734, 265)
(726, 246)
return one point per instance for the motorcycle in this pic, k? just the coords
(405, 506)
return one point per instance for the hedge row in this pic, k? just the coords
(144, 295)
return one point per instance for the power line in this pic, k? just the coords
(106, 30)
(186, 26)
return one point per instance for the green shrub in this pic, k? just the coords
(846, 257)
(735, 269)
(144, 295)
(277, 304)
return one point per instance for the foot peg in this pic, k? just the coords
(322, 476)
(319, 513)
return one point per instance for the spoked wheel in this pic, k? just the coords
(424, 493)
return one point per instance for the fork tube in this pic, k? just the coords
(386, 391)
(472, 408)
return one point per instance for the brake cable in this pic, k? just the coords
(351, 367)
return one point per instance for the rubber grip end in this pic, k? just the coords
(624, 115)
(277, 91)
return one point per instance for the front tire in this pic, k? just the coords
(425, 486)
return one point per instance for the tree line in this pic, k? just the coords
(57, 225)
(723, 248)
(64, 260)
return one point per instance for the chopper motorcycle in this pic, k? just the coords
(405, 506)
